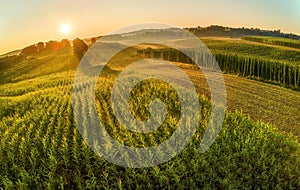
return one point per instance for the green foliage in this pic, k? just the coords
(216, 30)
(274, 41)
(52, 46)
(260, 51)
(19, 68)
(79, 48)
(261, 69)
(252, 61)
(30, 50)
(41, 147)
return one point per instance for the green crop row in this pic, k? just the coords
(260, 51)
(272, 71)
(41, 147)
(274, 41)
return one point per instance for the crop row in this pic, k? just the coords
(274, 41)
(278, 72)
(41, 146)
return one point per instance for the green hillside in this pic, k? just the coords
(41, 147)
(256, 61)
(274, 41)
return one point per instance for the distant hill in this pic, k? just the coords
(12, 53)
(213, 30)
(216, 30)
(210, 31)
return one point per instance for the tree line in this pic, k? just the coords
(78, 46)
(46, 47)
(216, 30)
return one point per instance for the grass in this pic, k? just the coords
(38, 65)
(260, 62)
(292, 56)
(41, 147)
(261, 101)
(274, 41)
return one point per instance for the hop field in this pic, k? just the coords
(41, 146)
(274, 41)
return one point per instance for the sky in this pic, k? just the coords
(23, 23)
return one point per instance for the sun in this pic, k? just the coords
(65, 28)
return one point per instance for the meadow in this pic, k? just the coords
(257, 148)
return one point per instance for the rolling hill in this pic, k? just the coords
(41, 146)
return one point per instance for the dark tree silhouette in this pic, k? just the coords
(93, 40)
(40, 46)
(216, 30)
(51, 45)
(65, 44)
(29, 50)
(79, 48)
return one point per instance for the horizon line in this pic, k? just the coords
(109, 33)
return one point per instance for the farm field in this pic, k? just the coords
(41, 147)
(274, 41)
(256, 61)
(248, 95)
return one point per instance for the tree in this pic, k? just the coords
(79, 48)
(51, 45)
(93, 40)
(29, 50)
(40, 46)
(65, 44)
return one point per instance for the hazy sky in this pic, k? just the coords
(25, 22)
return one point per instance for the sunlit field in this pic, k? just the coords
(41, 147)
